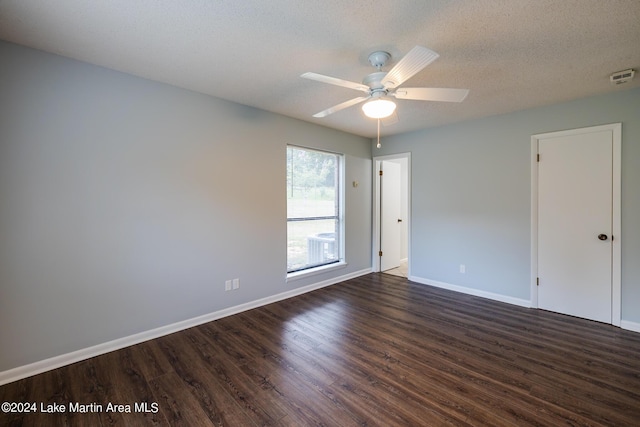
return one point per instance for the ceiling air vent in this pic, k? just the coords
(620, 77)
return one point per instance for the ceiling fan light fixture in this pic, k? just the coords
(379, 108)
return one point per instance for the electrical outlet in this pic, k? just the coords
(236, 283)
(227, 285)
(463, 269)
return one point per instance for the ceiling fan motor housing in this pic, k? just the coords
(374, 81)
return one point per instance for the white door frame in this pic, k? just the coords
(375, 232)
(616, 129)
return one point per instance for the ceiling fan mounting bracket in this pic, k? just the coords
(379, 58)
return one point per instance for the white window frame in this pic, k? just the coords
(340, 244)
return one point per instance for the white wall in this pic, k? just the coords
(471, 195)
(126, 204)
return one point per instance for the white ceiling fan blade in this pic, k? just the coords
(335, 81)
(431, 94)
(414, 61)
(341, 106)
(391, 120)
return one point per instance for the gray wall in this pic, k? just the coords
(471, 188)
(126, 204)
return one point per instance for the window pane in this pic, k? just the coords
(311, 183)
(308, 203)
(311, 243)
(313, 210)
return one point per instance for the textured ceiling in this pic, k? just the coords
(511, 54)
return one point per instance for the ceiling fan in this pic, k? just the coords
(380, 85)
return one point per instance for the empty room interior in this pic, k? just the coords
(395, 213)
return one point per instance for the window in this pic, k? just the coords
(314, 212)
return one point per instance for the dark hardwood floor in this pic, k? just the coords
(376, 350)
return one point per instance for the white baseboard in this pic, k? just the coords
(630, 326)
(624, 324)
(472, 291)
(35, 368)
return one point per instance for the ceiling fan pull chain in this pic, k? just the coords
(378, 145)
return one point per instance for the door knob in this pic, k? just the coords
(603, 237)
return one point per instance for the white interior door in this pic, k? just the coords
(575, 224)
(391, 208)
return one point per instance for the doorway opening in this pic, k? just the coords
(391, 214)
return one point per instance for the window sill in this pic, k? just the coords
(292, 277)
